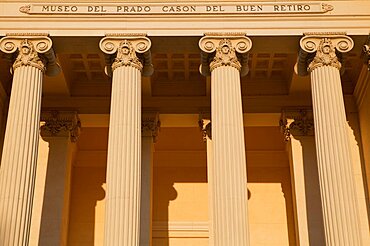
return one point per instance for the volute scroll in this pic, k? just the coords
(224, 50)
(32, 50)
(127, 50)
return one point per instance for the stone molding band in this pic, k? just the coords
(32, 50)
(127, 50)
(60, 124)
(322, 49)
(224, 49)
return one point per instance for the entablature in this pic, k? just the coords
(170, 18)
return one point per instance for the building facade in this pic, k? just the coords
(185, 123)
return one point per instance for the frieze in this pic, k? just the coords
(160, 8)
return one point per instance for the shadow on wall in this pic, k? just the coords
(161, 205)
(270, 205)
(270, 201)
(86, 213)
(355, 136)
(315, 218)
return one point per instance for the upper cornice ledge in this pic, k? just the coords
(125, 35)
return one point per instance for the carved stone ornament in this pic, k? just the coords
(297, 122)
(127, 50)
(32, 50)
(150, 125)
(367, 55)
(321, 49)
(28, 56)
(326, 7)
(25, 9)
(206, 128)
(57, 124)
(224, 50)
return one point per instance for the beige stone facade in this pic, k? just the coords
(172, 123)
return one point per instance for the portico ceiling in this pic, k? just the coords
(176, 85)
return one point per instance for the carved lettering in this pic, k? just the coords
(178, 9)
(59, 8)
(151, 8)
(133, 9)
(249, 8)
(96, 9)
(218, 8)
(291, 7)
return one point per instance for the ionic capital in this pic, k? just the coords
(367, 54)
(32, 50)
(224, 49)
(297, 122)
(60, 124)
(127, 50)
(150, 125)
(322, 49)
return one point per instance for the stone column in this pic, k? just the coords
(149, 129)
(206, 127)
(298, 128)
(129, 61)
(320, 57)
(61, 130)
(18, 162)
(225, 58)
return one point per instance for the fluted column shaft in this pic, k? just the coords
(124, 159)
(206, 128)
(149, 130)
(229, 174)
(122, 218)
(19, 158)
(229, 169)
(334, 160)
(338, 196)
